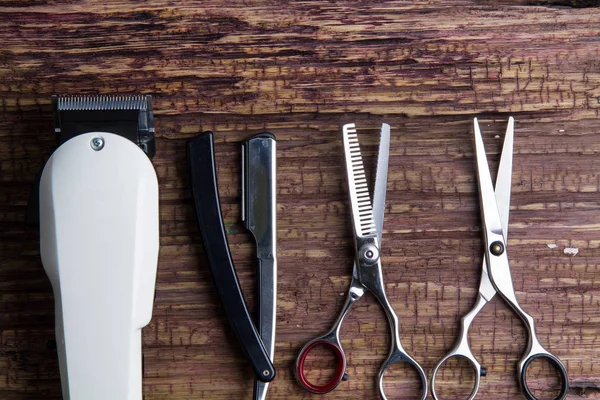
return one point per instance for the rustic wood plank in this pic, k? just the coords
(300, 69)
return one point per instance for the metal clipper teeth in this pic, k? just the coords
(100, 103)
(127, 116)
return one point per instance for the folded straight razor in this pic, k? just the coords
(260, 220)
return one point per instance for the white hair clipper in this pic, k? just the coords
(99, 233)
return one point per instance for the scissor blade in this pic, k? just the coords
(489, 206)
(504, 177)
(381, 179)
(360, 200)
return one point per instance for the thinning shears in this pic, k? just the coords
(367, 274)
(495, 273)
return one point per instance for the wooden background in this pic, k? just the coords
(300, 70)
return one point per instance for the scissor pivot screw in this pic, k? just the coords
(266, 372)
(497, 248)
(369, 254)
(97, 143)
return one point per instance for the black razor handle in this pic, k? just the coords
(203, 174)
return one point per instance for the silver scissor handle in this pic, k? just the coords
(462, 349)
(397, 353)
(534, 354)
(504, 286)
(332, 341)
(536, 351)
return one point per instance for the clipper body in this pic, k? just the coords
(99, 231)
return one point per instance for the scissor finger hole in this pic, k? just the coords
(321, 366)
(544, 378)
(402, 381)
(455, 379)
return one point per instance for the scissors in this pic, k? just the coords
(495, 273)
(367, 274)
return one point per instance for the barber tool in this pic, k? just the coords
(367, 274)
(259, 218)
(258, 214)
(495, 273)
(98, 214)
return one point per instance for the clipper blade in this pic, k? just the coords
(101, 103)
(127, 116)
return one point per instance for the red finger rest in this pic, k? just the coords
(339, 372)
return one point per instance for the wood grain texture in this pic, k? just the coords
(300, 70)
